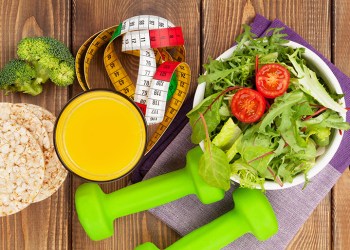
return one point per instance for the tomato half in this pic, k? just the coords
(248, 105)
(272, 80)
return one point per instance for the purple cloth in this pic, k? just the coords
(292, 206)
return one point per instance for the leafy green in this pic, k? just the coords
(290, 132)
(210, 109)
(227, 136)
(311, 85)
(328, 119)
(214, 167)
(248, 177)
(281, 103)
(321, 136)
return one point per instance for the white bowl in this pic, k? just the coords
(317, 64)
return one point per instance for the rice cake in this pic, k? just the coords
(25, 118)
(55, 173)
(21, 168)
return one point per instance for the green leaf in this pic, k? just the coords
(321, 136)
(290, 132)
(214, 167)
(281, 103)
(301, 110)
(248, 177)
(227, 135)
(224, 110)
(232, 151)
(284, 173)
(210, 110)
(258, 157)
(328, 119)
(311, 85)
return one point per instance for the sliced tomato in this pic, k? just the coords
(272, 80)
(248, 105)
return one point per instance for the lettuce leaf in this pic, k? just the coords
(248, 177)
(227, 135)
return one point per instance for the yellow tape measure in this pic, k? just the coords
(160, 46)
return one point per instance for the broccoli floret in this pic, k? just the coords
(18, 75)
(50, 58)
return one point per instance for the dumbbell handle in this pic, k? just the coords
(149, 194)
(216, 234)
(212, 236)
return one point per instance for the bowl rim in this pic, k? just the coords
(327, 74)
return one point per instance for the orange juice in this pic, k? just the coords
(100, 135)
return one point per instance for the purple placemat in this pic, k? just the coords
(292, 206)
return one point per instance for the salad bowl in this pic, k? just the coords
(322, 70)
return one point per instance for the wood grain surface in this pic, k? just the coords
(44, 225)
(210, 28)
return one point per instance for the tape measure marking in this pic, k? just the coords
(158, 91)
(145, 40)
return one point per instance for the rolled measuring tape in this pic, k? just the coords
(159, 91)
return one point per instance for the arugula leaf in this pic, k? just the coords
(224, 110)
(284, 173)
(289, 131)
(281, 103)
(301, 110)
(311, 85)
(328, 119)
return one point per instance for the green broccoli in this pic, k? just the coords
(18, 75)
(51, 59)
(40, 59)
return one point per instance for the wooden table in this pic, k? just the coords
(210, 27)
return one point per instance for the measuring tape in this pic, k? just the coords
(159, 91)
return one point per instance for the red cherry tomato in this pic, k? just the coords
(248, 105)
(272, 80)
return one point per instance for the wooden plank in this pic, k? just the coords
(341, 198)
(44, 225)
(134, 229)
(311, 19)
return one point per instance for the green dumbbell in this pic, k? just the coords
(97, 210)
(252, 213)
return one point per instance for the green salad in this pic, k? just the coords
(265, 114)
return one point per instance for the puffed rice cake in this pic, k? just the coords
(55, 173)
(21, 168)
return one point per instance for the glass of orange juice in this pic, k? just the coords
(100, 135)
